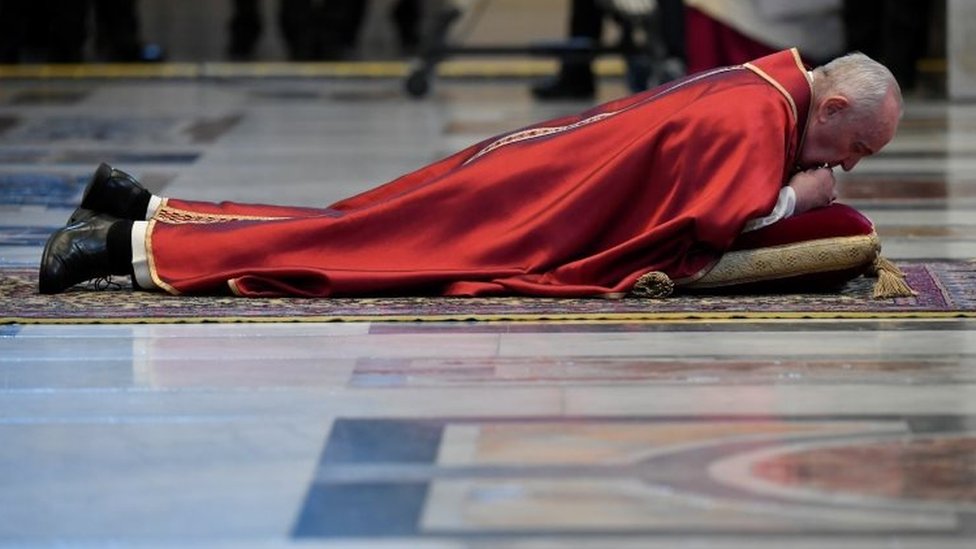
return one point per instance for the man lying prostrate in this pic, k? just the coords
(582, 205)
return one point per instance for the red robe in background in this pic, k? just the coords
(578, 206)
(711, 43)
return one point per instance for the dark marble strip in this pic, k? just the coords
(208, 131)
(936, 204)
(924, 123)
(47, 96)
(926, 155)
(366, 96)
(858, 188)
(866, 174)
(936, 124)
(286, 95)
(7, 122)
(93, 157)
(952, 232)
(904, 182)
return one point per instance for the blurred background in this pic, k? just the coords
(926, 43)
(575, 433)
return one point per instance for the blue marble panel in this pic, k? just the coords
(362, 509)
(41, 189)
(382, 441)
(372, 508)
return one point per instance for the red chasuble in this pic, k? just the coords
(577, 206)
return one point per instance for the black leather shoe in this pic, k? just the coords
(563, 87)
(76, 253)
(115, 193)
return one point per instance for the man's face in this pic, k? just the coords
(835, 137)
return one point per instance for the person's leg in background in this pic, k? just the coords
(672, 23)
(117, 35)
(337, 24)
(892, 31)
(244, 29)
(575, 79)
(13, 30)
(295, 21)
(66, 30)
(406, 16)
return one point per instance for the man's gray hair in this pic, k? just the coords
(862, 80)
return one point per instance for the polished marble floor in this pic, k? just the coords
(816, 433)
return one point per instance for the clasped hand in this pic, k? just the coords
(814, 189)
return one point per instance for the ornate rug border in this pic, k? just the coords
(515, 317)
(947, 290)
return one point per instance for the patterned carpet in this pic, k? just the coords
(945, 290)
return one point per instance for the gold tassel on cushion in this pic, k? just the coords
(891, 281)
(654, 284)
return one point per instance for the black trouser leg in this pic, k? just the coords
(585, 22)
(67, 30)
(117, 30)
(244, 29)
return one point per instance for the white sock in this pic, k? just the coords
(140, 259)
(155, 202)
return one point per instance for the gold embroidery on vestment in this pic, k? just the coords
(177, 216)
(533, 133)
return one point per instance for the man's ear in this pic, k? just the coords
(835, 104)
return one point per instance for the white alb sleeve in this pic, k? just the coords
(785, 205)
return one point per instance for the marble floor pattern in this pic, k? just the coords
(816, 433)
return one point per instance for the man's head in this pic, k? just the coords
(856, 108)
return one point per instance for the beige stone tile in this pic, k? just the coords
(582, 504)
(771, 400)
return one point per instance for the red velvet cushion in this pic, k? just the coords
(829, 222)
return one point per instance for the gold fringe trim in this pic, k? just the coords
(654, 284)
(891, 281)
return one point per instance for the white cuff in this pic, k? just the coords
(785, 205)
